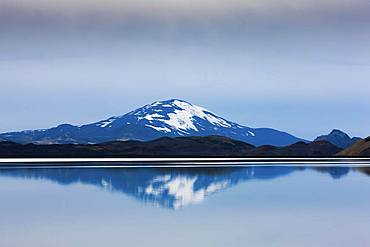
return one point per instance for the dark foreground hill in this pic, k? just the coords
(312, 149)
(210, 146)
(163, 147)
(359, 149)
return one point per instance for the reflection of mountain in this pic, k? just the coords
(334, 172)
(170, 188)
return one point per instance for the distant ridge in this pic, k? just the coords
(170, 118)
(338, 138)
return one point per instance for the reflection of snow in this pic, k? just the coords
(181, 189)
(106, 184)
(164, 178)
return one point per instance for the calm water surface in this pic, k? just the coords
(254, 206)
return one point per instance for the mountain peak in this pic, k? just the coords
(173, 100)
(338, 132)
(177, 115)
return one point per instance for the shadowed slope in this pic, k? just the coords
(360, 149)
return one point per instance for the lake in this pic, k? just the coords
(246, 206)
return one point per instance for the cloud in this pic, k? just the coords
(113, 10)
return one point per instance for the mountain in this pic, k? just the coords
(312, 149)
(196, 146)
(338, 138)
(171, 118)
(360, 149)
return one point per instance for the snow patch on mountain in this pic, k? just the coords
(107, 122)
(164, 129)
(188, 112)
(154, 116)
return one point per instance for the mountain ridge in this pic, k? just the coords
(338, 138)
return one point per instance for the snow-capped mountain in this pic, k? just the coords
(172, 118)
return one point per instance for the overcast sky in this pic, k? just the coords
(300, 66)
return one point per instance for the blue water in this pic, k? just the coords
(255, 206)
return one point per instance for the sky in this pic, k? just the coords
(299, 66)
